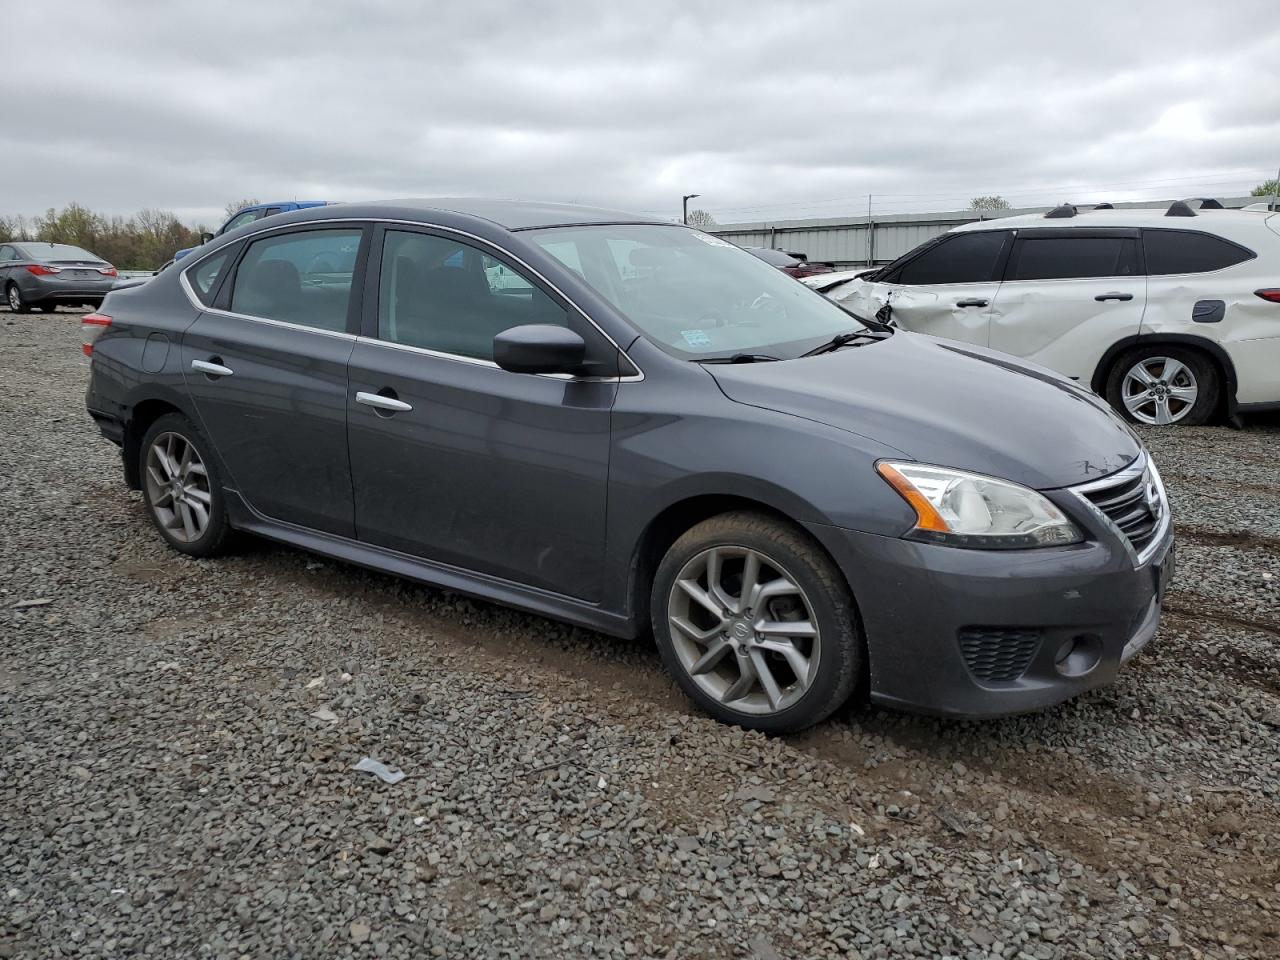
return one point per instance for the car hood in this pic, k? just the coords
(947, 403)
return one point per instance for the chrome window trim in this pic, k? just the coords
(248, 238)
(1143, 464)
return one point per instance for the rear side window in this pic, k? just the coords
(1186, 251)
(961, 258)
(1066, 258)
(302, 278)
(204, 276)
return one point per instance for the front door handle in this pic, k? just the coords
(1113, 296)
(377, 400)
(972, 302)
(211, 368)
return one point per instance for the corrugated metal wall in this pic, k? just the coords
(844, 240)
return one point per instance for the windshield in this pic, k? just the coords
(56, 251)
(694, 295)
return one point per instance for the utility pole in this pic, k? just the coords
(870, 228)
(1273, 205)
(685, 205)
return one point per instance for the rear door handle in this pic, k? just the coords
(973, 302)
(211, 368)
(1113, 296)
(382, 403)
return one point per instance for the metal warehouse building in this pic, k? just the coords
(858, 241)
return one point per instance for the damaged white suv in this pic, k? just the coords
(1173, 316)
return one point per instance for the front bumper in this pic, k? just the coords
(940, 621)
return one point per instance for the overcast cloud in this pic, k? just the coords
(768, 110)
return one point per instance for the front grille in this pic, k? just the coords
(1133, 503)
(998, 653)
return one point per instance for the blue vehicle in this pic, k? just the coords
(250, 214)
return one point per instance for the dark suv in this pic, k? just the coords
(631, 425)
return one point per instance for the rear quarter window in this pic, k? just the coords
(204, 276)
(1188, 251)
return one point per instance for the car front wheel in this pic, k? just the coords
(756, 623)
(181, 488)
(17, 303)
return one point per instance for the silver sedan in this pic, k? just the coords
(34, 273)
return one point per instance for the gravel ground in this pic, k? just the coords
(177, 738)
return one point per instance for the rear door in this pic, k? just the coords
(947, 289)
(266, 365)
(1068, 295)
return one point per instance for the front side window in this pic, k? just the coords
(961, 258)
(302, 278)
(438, 293)
(1186, 251)
(240, 219)
(694, 295)
(1063, 258)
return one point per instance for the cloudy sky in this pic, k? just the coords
(768, 110)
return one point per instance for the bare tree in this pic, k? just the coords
(235, 206)
(993, 202)
(701, 219)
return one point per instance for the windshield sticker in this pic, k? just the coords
(712, 241)
(695, 338)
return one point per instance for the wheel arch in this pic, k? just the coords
(1221, 360)
(681, 515)
(142, 414)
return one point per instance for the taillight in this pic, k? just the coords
(91, 327)
(109, 271)
(1272, 294)
(40, 270)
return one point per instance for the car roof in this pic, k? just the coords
(1227, 223)
(511, 214)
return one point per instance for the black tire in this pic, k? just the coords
(48, 307)
(15, 300)
(215, 536)
(794, 554)
(1207, 381)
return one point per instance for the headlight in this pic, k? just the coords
(969, 510)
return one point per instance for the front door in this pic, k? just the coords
(456, 460)
(1068, 295)
(947, 290)
(267, 370)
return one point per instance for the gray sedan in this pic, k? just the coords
(636, 427)
(34, 273)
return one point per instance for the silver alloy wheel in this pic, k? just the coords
(1159, 390)
(744, 630)
(178, 487)
(15, 298)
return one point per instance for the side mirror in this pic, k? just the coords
(206, 237)
(539, 348)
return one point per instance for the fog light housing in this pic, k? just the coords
(1078, 655)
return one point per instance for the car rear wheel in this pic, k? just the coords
(181, 488)
(1163, 384)
(17, 303)
(756, 624)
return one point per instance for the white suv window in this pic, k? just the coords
(961, 258)
(1189, 251)
(1062, 258)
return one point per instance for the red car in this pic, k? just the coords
(793, 264)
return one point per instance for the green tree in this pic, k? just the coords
(1269, 189)
(141, 242)
(993, 202)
